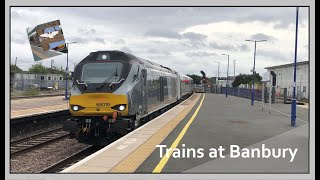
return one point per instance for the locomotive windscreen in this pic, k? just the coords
(98, 72)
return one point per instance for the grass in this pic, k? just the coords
(31, 92)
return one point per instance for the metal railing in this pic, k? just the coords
(36, 87)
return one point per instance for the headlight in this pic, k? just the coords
(120, 107)
(76, 107)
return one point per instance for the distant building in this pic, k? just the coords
(284, 78)
(223, 81)
(20, 81)
(25, 76)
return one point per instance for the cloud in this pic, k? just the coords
(171, 36)
(90, 31)
(261, 36)
(229, 47)
(99, 40)
(244, 47)
(78, 39)
(222, 46)
(19, 40)
(275, 55)
(126, 50)
(120, 41)
(163, 33)
(200, 54)
(86, 39)
(15, 14)
(194, 36)
(158, 51)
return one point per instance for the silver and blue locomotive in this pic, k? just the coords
(115, 92)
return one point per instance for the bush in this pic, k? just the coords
(31, 92)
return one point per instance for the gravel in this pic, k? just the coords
(37, 160)
(21, 136)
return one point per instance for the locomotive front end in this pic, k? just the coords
(97, 110)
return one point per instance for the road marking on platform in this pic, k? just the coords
(165, 159)
(285, 114)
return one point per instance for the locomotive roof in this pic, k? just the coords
(119, 55)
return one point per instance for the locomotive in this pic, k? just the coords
(115, 92)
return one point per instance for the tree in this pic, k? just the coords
(38, 68)
(15, 69)
(196, 79)
(56, 70)
(213, 80)
(246, 79)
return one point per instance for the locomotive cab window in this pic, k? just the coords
(100, 72)
(136, 75)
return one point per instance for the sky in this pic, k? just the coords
(186, 39)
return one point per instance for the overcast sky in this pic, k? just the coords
(186, 39)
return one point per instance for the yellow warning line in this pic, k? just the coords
(138, 156)
(165, 158)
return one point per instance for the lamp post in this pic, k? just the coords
(254, 67)
(294, 101)
(234, 69)
(67, 71)
(217, 81)
(227, 75)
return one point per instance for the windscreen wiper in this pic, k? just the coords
(109, 79)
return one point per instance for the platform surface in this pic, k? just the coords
(40, 105)
(208, 121)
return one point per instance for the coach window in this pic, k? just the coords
(136, 75)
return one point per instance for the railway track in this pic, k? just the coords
(30, 124)
(74, 158)
(30, 143)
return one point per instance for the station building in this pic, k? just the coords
(284, 78)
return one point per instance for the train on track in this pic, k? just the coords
(115, 92)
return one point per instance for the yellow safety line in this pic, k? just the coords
(139, 155)
(165, 158)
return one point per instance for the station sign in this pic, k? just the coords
(265, 77)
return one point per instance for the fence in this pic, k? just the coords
(243, 92)
(34, 87)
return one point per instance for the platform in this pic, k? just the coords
(207, 121)
(35, 106)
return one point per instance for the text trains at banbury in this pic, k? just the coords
(115, 92)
